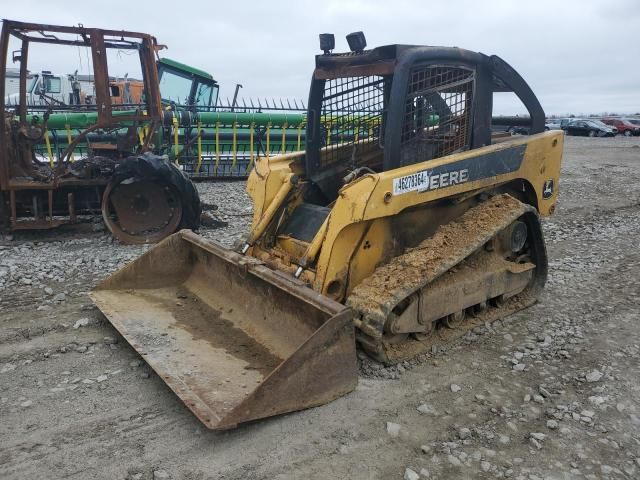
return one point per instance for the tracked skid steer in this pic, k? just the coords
(402, 224)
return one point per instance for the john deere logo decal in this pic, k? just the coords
(547, 189)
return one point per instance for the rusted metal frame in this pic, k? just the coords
(67, 153)
(150, 78)
(34, 207)
(50, 201)
(100, 77)
(24, 53)
(4, 142)
(41, 27)
(75, 43)
(38, 225)
(96, 41)
(103, 99)
(147, 54)
(63, 182)
(12, 201)
(72, 208)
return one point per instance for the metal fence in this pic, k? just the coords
(224, 146)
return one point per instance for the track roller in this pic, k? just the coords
(455, 319)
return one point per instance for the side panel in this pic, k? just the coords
(535, 160)
(540, 165)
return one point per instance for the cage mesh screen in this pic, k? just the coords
(438, 110)
(352, 115)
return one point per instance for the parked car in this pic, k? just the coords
(625, 127)
(604, 125)
(553, 124)
(566, 121)
(635, 121)
(588, 128)
(518, 130)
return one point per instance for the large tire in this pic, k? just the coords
(158, 179)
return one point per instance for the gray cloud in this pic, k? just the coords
(578, 56)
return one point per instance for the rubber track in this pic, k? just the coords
(374, 299)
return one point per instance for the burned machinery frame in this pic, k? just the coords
(98, 41)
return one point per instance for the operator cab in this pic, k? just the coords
(396, 105)
(185, 87)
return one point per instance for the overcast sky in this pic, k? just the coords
(578, 56)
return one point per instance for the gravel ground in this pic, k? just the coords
(548, 393)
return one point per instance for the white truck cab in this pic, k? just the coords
(47, 88)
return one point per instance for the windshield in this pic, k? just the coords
(174, 88)
(52, 84)
(206, 94)
(31, 83)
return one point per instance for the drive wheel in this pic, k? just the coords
(141, 211)
(627, 133)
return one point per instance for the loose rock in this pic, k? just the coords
(60, 297)
(410, 475)
(393, 429)
(593, 376)
(160, 475)
(83, 322)
(426, 409)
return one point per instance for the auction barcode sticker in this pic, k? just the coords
(425, 180)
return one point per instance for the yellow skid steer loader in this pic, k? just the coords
(404, 223)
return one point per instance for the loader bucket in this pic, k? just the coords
(235, 340)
